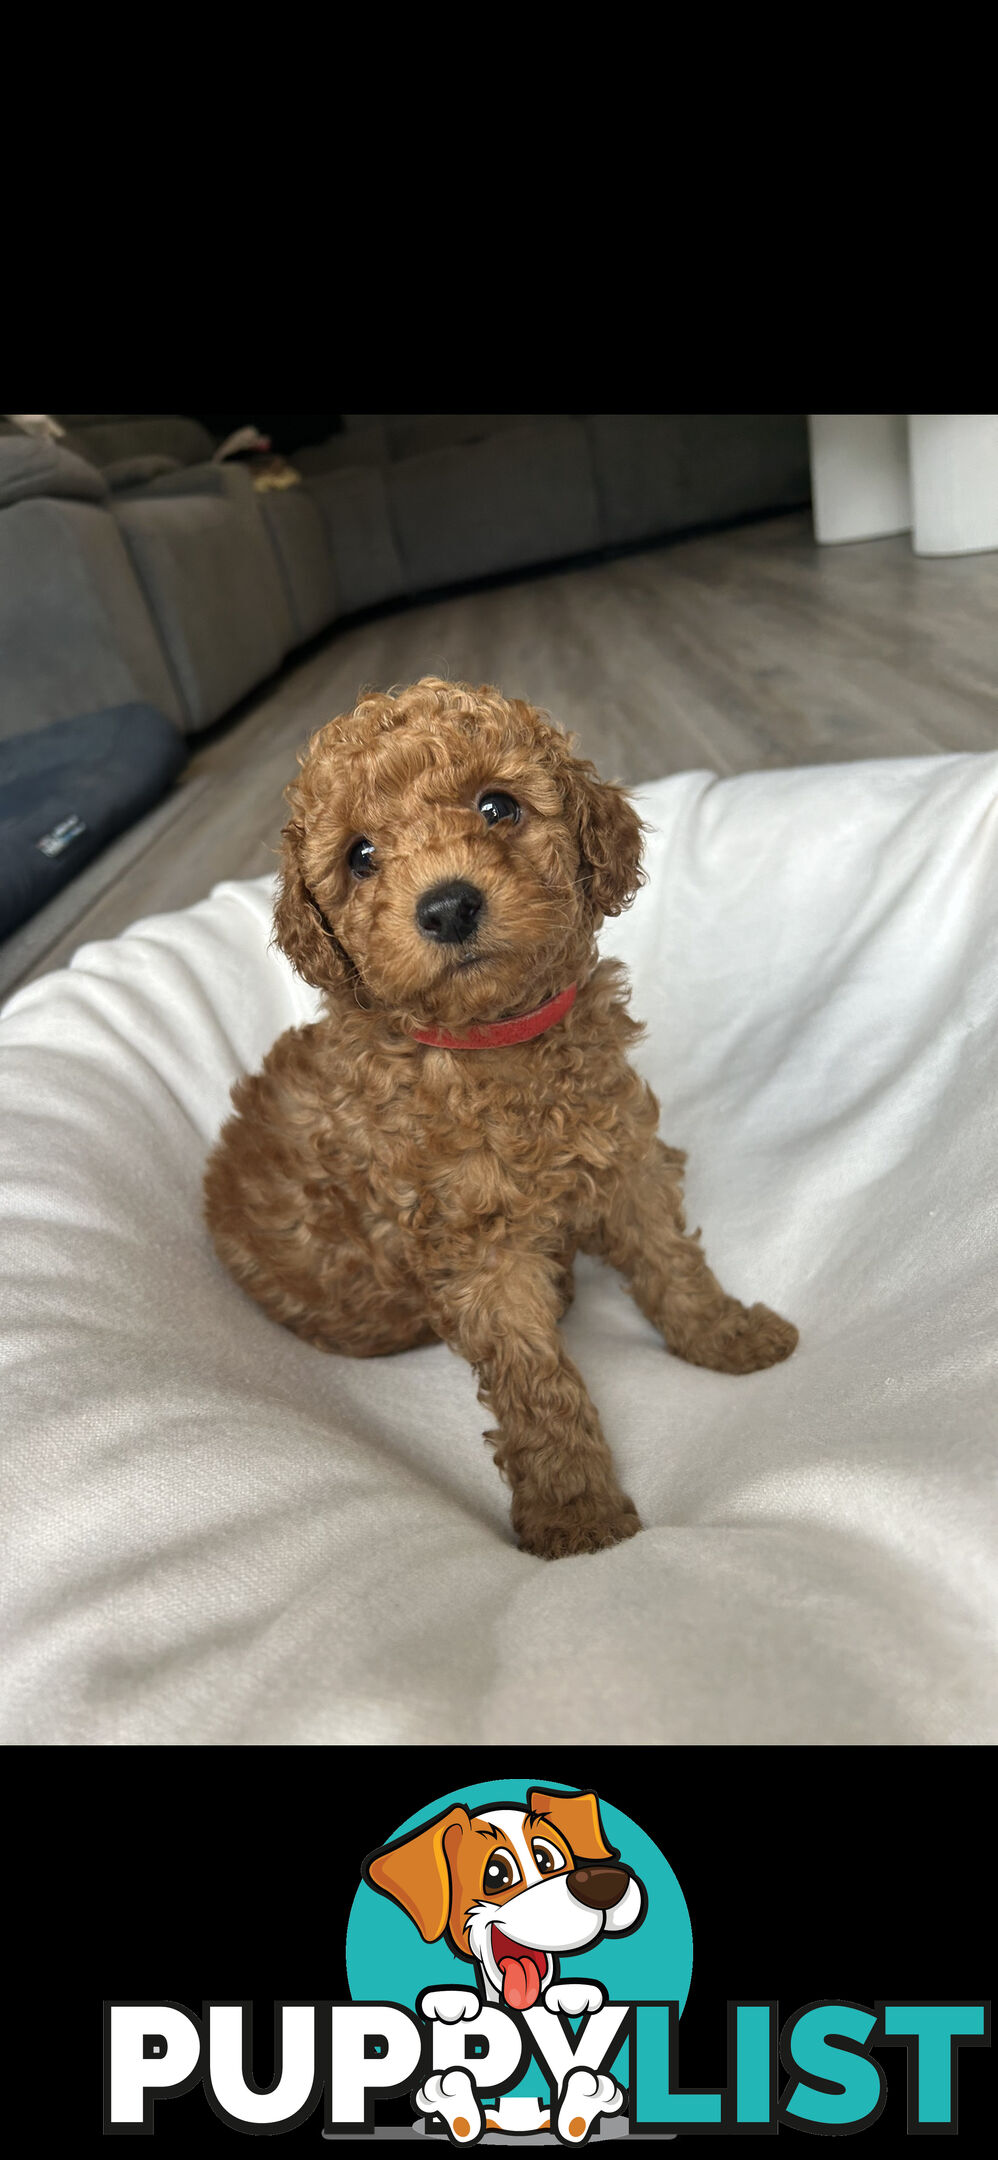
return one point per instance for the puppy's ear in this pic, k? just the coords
(415, 1871)
(576, 1815)
(609, 832)
(299, 926)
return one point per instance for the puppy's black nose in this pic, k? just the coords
(449, 913)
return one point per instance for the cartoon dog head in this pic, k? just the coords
(512, 1887)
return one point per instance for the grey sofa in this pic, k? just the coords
(412, 501)
(138, 570)
(212, 583)
(76, 634)
(219, 588)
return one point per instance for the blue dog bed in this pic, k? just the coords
(69, 788)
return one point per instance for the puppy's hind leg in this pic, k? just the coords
(643, 1234)
(296, 1239)
(565, 1286)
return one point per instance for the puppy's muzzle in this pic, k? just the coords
(449, 914)
(598, 1887)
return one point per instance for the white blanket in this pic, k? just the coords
(214, 1533)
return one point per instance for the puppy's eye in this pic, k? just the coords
(501, 1872)
(361, 859)
(546, 1858)
(498, 808)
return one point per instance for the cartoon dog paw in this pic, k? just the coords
(450, 2093)
(575, 1997)
(449, 2004)
(586, 2095)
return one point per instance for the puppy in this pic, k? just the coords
(513, 1889)
(424, 1161)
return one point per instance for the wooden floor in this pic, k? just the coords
(731, 651)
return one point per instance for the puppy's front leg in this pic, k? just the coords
(643, 1234)
(503, 1317)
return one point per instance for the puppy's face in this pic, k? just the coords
(448, 859)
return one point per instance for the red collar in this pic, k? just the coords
(494, 1034)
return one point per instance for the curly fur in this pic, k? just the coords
(374, 1193)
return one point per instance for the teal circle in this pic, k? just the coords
(388, 1961)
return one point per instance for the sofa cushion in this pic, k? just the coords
(294, 524)
(406, 434)
(215, 1534)
(368, 446)
(75, 632)
(658, 473)
(29, 465)
(354, 503)
(107, 437)
(409, 434)
(66, 790)
(400, 435)
(519, 497)
(137, 471)
(212, 584)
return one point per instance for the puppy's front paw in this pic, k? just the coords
(450, 2093)
(747, 1339)
(587, 2095)
(580, 1526)
(449, 2004)
(577, 1998)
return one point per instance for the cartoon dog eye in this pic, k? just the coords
(501, 1872)
(547, 1856)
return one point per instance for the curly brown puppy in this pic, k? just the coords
(425, 1160)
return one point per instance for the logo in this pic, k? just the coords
(517, 1967)
(54, 842)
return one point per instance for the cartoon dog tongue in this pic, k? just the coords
(521, 1982)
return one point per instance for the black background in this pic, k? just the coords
(810, 1874)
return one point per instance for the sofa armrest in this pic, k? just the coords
(30, 466)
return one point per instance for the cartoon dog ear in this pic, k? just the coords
(576, 1815)
(299, 926)
(415, 1871)
(609, 832)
